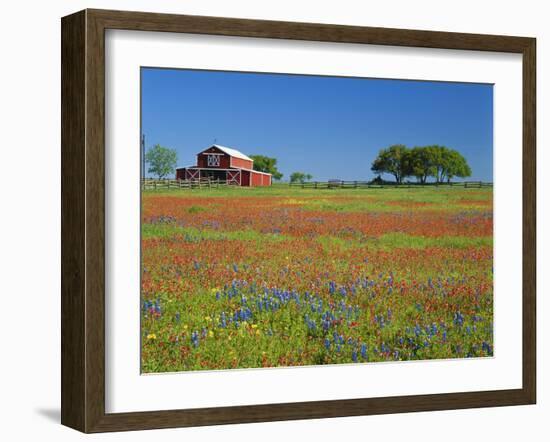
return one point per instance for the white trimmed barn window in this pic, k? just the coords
(213, 160)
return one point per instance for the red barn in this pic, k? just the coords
(226, 164)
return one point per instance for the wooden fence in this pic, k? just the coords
(207, 183)
(203, 183)
(340, 184)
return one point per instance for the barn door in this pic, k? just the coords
(193, 174)
(234, 177)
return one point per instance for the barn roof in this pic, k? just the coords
(232, 152)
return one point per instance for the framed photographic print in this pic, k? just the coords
(269, 220)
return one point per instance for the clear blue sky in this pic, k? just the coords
(331, 127)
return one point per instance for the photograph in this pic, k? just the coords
(304, 220)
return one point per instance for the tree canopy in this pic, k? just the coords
(267, 165)
(440, 162)
(421, 164)
(393, 161)
(162, 160)
(300, 177)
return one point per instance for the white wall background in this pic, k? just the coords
(30, 216)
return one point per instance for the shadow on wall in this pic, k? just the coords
(51, 414)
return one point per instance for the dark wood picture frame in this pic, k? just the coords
(83, 220)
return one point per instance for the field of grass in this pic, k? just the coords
(280, 276)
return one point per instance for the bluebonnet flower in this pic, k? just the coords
(354, 356)
(195, 339)
(327, 343)
(458, 319)
(364, 354)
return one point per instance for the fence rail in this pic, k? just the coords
(207, 183)
(340, 184)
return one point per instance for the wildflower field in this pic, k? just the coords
(267, 277)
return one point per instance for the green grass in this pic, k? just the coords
(193, 234)
(391, 241)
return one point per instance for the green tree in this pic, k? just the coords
(447, 163)
(300, 177)
(267, 165)
(454, 164)
(438, 155)
(393, 160)
(421, 163)
(162, 160)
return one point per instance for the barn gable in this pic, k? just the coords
(223, 157)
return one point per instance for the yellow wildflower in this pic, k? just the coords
(211, 333)
(254, 326)
(151, 336)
